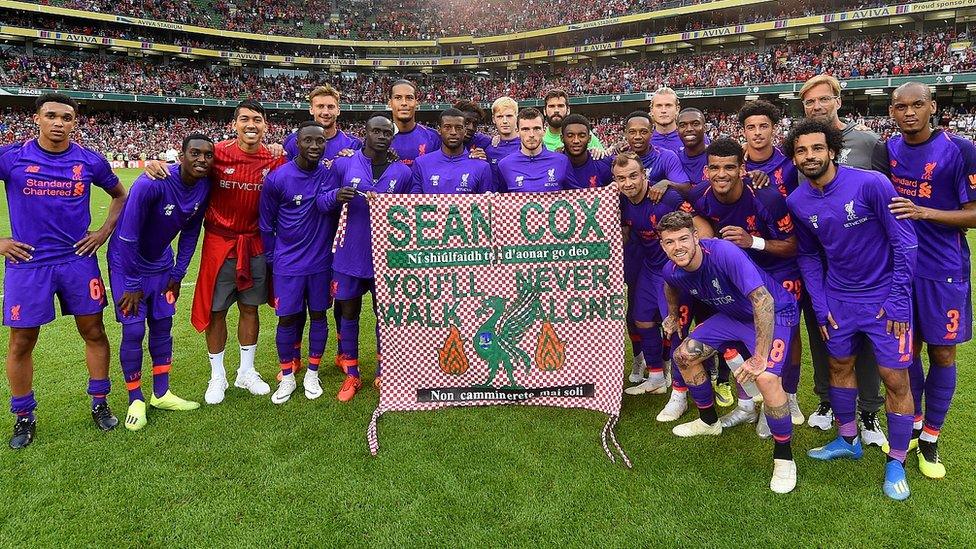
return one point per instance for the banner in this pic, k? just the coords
(500, 299)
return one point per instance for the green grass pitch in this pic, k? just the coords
(248, 473)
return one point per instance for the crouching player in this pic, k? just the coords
(297, 239)
(751, 309)
(145, 279)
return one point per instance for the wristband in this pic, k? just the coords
(758, 243)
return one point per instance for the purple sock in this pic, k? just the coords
(791, 378)
(781, 428)
(939, 388)
(337, 317)
(130, 355)
(350, 337)
(318, 334)
(285, 337)
(299, 332)
(677, 381)
(161, 351)
(843, 401)
(23, 406)
(653, 347)
(704, 398)
(916, 378)
(99, 389)
(899, 435)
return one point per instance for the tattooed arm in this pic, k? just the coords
(671, 324)
(763, 309)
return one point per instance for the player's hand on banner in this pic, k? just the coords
(345, 194)
(657, 190)
(670, 326)
(736, 235)
(15, 251)
(92, 242)
(823, 327)
(173, 288)
(129, 304)
(903, 208)
(750, 369)
(156, 170)
(478, 154)
(759, 179)
(893, 327)
(276, 150)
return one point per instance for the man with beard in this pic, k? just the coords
(556, 110)
(858, 263)
(412, 139)
(934, 172)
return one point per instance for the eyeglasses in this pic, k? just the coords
(825, 100)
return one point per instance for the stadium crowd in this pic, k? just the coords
(882, 55)
(414, 19)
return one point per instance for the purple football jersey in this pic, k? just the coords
(48, 198)
(419, 141)
(437, 173)
(940, 174)
(297, 236)
(780, 170)
(670, 141)
(661, 164)
(725, 279)
(354, 256)
(592, 173)
(154, 213)
(641, 220)
(870, 256)
(761, 213)
(503, 149)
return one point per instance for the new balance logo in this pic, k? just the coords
(168, 209)
(35, 169)
(228, 171)
(435, 180)
(813, 221)
(518, 180)
(298, 199)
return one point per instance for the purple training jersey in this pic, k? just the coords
(503, 149)
(48, 198)
(780, 170)
(670, 141)
(297, 235)
(941, 174)
(592, 173)
(340, 141)
(354, 255)
(870, 255)
(419, 141)
(724, 281)
(154, 213)
(546, 171)
(437, 173)
(641, 220)
(761, 213)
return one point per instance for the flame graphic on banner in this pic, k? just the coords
(550, 352)
(451, 357)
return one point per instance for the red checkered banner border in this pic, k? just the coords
(500, 299)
